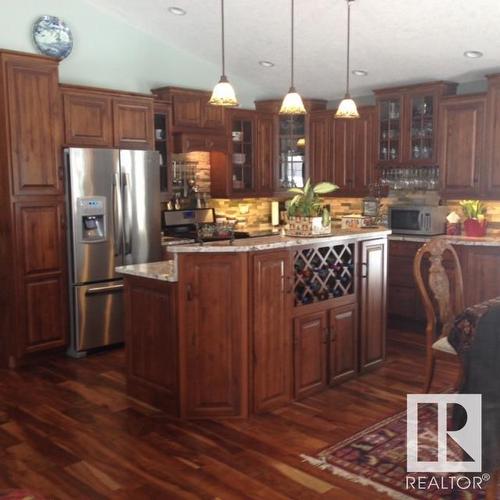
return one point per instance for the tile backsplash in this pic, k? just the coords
(258, 210)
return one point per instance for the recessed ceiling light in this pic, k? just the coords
(266, 64)
(473, 54)
(359, 72)
(177, 11)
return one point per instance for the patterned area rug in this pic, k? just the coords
(376, 457)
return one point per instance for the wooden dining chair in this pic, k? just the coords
(441, 289)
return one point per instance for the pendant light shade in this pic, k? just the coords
(223, 93)
(347, 108)
(292, 102)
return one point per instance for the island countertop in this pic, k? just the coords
(275, 242)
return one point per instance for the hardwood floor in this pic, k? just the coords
(68, 431)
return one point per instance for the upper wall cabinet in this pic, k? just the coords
(341, 151)
(491, 178)
(191, 109)
(94, 117)
(247, 168)
(461, 139)
(291, 136)
(133, 120)
(32, 104)
(408, 123)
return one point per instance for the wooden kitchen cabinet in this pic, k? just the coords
(271, 330)
(101, 118)
(373, 302)
(250, 134)
(403, 298)
(191, 109)
(133, 121)
(151, 328)
(88, 119)
(319, 146)
(408, 122)
(491, 178)
(213, 300)
(341, 151)
(32, 105)
(461, 145)
(265, 126)
(291, 165)
(481, 273)
(41, 275)
(343, 343)
(310, 339)
(33, 261)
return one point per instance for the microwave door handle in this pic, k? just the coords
(117, 214)
(127, 208)
(421, 221)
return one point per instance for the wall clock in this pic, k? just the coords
(52, 37)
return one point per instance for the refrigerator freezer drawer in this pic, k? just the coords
(98, 315)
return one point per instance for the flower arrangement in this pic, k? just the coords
(475, 221)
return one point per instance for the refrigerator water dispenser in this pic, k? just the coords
(92, 217)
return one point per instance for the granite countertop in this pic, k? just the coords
(165, 270)
(491, 240)
(275, 242)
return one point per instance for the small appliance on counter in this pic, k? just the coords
(201, 224)
(418, 219)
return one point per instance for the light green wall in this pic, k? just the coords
(110, 53)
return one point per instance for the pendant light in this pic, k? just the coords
(223, 93)
(292, 103)
(347, 107)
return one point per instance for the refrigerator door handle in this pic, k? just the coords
(127, 208)
(117, 214)
(104, 289)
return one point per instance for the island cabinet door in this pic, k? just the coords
(343, 352)
(373, 302)
(310, 339)
(271, 330)
(213, 334)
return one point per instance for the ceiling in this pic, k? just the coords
(396, 41)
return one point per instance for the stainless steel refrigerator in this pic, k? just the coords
(115, 219)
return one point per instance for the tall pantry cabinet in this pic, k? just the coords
(33, 273)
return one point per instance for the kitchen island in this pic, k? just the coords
(230, 329)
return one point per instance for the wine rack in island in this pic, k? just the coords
(324, 273)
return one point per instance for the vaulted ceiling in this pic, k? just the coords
(395, 41)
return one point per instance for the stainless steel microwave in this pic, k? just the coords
(417, 219)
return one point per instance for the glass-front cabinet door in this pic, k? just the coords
(162, 145)
(242, 158)
(292, 165)
(422, 128)
(390, 127)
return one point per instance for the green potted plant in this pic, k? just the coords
(475, 221)
(306, 214)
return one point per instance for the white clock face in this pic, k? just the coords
(52, 37)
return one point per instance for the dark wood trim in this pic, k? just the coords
(102, 90)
